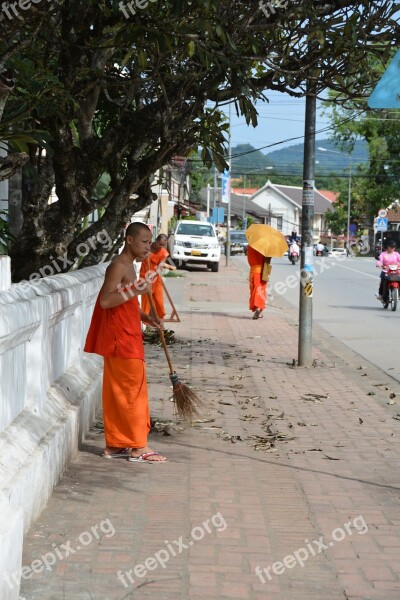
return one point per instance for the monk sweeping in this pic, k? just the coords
(115, 333)
(158, 256)
(259, 265)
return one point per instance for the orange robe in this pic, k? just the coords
(258, 287)
(157, 288)
(115, 333)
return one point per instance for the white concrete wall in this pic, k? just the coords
(5, 273)
(49, 393)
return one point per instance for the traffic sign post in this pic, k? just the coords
(381, 224)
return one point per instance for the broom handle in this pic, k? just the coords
(160, 331)
(166, 293)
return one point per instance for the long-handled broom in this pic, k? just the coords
(186, 401)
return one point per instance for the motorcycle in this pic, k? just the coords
(293, 257)
(391, 284)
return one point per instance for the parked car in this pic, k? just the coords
(196, 242)
(239, 242)
(338, 252)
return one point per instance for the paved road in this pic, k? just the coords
(345, 306)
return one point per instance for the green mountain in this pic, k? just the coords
(289, 161)
(246, 158)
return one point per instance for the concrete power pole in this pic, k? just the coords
(228, 219)
(307, 256)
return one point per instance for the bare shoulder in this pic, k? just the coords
(116, 268)
(118, 271)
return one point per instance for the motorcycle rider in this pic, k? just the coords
(319, 249)
(294, 248)
(386, 258)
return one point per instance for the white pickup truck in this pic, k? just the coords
(196, 242)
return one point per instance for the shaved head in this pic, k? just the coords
(161, 238)
(135, 229)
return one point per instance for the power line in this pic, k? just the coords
(299, 137)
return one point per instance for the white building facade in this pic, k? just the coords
(282, 208)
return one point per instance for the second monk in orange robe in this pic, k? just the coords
(158, 256)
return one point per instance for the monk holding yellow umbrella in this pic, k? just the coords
(265, 242)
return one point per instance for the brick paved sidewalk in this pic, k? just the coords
(318, 511)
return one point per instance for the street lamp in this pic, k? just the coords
(349, 192)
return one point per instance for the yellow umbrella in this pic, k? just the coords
(266, 240)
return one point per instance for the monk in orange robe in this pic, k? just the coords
(158, 256)
(115, 333)
(258, 287)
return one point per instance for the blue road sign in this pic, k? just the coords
(353, 229)
(386, 93)
(218, 215)
(381, 224)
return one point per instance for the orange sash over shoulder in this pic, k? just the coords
(116, 332)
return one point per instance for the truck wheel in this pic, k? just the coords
(214, 267)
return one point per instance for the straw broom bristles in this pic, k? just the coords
(185, 399)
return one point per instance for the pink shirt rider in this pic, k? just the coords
(385, 259)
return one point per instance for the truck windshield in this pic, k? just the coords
(238, 237)
(195, 229)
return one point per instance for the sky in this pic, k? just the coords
(279, 120)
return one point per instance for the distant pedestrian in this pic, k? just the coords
(260, 269)
(170, 242)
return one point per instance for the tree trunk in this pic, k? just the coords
(15, 203)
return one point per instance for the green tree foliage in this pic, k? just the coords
(376, 184)
(99, 92)
(337, 219)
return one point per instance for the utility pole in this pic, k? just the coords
(307, 256)
(349, 204)
(215, 187)
(228, 219)
(208, 199)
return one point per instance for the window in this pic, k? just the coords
(238, 237)
(279, 223)
(195, 229)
